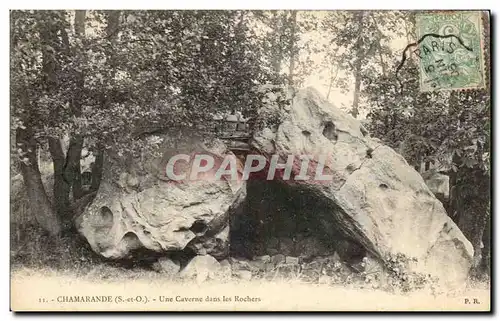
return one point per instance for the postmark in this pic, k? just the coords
(450, 51)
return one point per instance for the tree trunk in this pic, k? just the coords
(112, 27)
(40, 205)
(357, 67)
(451, 206)
(357, 88)
(76, 144)
(292, 47)
(73, 173)
(471, 207)
(97, 170)
(61, 187)
(80, 23)
(277, 47)
(379, 46)
(332, 76)
(382, 63)
(332, 80)
(67, 174)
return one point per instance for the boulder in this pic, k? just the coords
(439, 184)
(149, 212)
(292, 260)
(202, 268)
(272, 252)
(373, 196)
(263, 258)
(166, 266)
(278, 259)
(243, 275)
(226, 269)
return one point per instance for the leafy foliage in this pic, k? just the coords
(102, 79)
(401, 279)
(450, 129)
(166, 68)
(360, 45)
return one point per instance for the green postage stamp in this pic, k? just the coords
(450, 49)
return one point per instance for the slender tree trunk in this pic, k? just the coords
(407, 32)
(357, 67)
(451, 206)
(76, 145)
(379, 46)
(97, 169)
(40, 205)
(112, 27)
(73, 173)
(332, 80)
(382, 63)
(61, 187)
(332, 76)
(357, 89)
(278, 22)
(80, 22)
(292, 47)
(67, 176)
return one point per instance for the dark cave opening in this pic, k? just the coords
(280, 219)
(276, 218)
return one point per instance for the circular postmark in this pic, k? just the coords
(450, 50)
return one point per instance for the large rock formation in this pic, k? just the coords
(137, 212)
(374, 201)
(439, 185)
(374, 198)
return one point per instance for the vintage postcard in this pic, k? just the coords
(250, 160)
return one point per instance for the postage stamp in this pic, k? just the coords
(450, 50)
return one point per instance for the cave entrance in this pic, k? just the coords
(279, 219)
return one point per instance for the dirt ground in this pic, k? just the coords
(124, 289)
